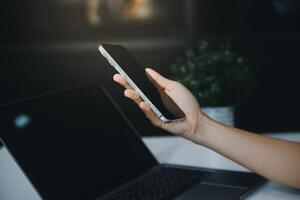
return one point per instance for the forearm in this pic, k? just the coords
(275, 159)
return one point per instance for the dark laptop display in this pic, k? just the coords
(73, 144)
(76, 144)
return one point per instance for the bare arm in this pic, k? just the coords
(275, 159)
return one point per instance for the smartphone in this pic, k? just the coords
(128, 67)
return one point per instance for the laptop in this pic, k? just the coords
(77, 144)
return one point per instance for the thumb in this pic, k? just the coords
(156, 78)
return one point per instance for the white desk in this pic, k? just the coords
(175, 150)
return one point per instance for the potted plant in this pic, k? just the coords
(217, 76)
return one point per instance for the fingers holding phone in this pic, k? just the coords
(187, 102)
(133, 77)
(129, 91)
(134, 96)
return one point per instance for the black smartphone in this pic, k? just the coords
(126, 65)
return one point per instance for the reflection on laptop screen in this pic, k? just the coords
(73, 144)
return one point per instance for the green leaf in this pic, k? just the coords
(215, 75)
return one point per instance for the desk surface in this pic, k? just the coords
(175, 150)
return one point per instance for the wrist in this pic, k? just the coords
(204, 128)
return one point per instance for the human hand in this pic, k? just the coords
(186, 127)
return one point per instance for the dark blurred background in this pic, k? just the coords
(52, 44)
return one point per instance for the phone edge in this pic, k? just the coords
(115, 65)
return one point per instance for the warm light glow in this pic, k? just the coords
(119, 9)
(138, 9)
(92, 12)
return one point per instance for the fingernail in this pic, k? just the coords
(114, 77)
(126, 93)
(141, 107)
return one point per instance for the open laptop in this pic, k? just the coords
(77, 144)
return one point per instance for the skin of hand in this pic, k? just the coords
(186, 127)
(275, 159)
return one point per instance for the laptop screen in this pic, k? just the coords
(73, 144)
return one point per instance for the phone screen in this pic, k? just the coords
(138, 75)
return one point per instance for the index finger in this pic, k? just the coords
(119, 79)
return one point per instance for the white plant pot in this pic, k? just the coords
(223, 114)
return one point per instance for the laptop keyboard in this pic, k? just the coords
(160, 184)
